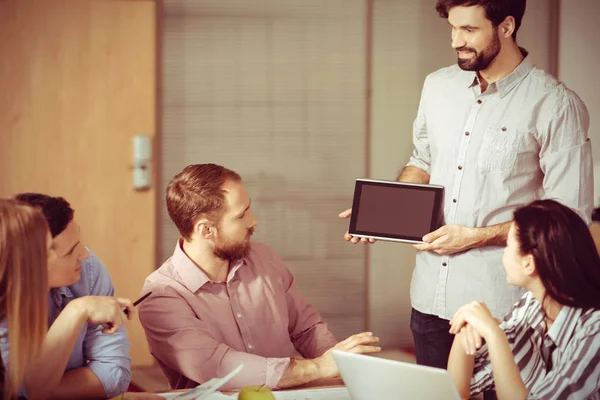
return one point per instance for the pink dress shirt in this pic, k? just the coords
(199, 329)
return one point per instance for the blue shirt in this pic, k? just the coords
(106, 355)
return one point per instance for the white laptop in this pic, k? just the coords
(369, 378)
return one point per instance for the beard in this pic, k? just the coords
(482, 59)
(227, 250)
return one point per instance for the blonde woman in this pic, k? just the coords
(33, 359)
(24, 245)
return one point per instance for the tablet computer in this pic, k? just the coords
(397, 211)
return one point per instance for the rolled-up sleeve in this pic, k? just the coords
(184, 343)
(421, 156)
(566, 157)
(107, 355)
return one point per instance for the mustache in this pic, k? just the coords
(464, 48)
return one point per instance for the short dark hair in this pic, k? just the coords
(564, 252)
(495, 10)
(197, 191)
(56, 210)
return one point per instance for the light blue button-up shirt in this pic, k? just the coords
(106, 355)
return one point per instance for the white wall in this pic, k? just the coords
(579, 58)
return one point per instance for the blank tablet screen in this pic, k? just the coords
(394, 210)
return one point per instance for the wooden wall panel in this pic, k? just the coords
(77, 82)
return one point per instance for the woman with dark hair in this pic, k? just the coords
(548, 346)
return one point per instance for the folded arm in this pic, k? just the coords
(507, 377)
(460, 367)
(79, 383)
(45, 374)
(477, 366)
(107, 372)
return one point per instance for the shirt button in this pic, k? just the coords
(239, 315)
(250, 346)
(444, 264)
(467, 133)
(454, 200)
(460, 167)
(479, 102)
(3, 340)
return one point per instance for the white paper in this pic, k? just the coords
(205, 391)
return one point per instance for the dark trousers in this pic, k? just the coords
(433, 342)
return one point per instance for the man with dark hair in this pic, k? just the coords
(84, 361)
(495, 10)
(497, 133)
(222, 300)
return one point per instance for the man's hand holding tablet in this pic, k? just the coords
(395, 211)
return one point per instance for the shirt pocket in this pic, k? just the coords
(499, 150)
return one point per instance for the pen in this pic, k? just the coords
(138, 301)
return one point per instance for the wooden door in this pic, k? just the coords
(77, 82)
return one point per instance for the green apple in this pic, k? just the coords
(256, 393)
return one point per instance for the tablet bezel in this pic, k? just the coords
(437, 207)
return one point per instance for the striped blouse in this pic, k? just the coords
(563, 363)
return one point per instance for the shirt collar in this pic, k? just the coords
(471, 79)
(564, 325)
(535, 317)
(506, 84)
(193, 277)
(60, 294)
